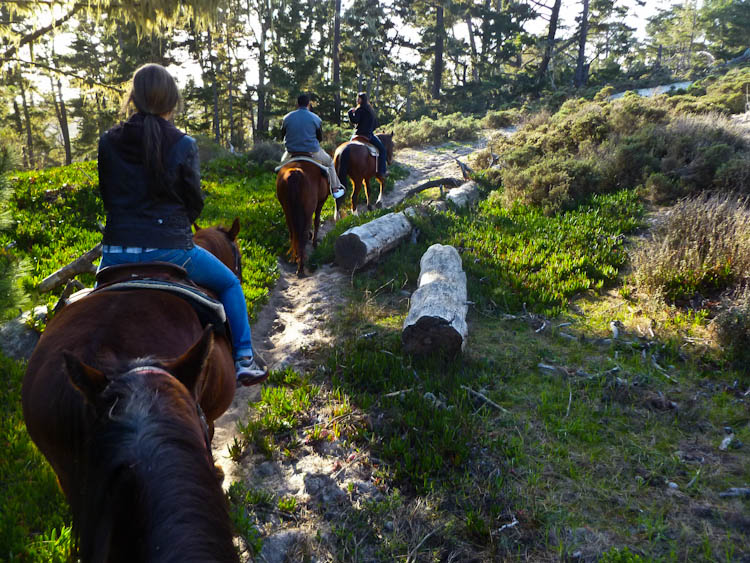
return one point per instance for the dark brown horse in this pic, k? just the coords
(355, 161)
(302, 190)
(120, 396)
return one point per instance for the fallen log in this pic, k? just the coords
(437, 316)
(440, 182)
(82, 264)
(365, 243)
(464, 195)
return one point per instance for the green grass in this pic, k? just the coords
(57, 213)
(34, 518)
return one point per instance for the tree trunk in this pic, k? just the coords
(473, 44)
(437, 77)
(335, 55)
(27, 122)
(232, 139)
(550, 43)
(580, 75)
(64, 125)
(214, 87)
(261, 120)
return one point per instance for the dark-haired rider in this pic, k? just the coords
(363, 116)
(302, 132)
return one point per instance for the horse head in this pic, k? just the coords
(148, 436)
(222, 243)
(387, 139)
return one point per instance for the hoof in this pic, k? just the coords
(301, 273)
(379, 204)
(369, 207)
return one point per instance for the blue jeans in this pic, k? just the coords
(382, 157)
(208, 271)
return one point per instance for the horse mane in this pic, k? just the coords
(149, 490)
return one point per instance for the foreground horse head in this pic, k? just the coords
(355, 162)
(302, 190)
(120, 396)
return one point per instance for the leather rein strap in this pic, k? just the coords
(156, 370)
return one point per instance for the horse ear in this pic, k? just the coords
(392, 132)
(190, 367)
(196, 228)
(87, 380)
(234, 231)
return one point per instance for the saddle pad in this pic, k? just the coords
(302, 159)
(370, 147)
(209, 310)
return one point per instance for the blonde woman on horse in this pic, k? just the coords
(149, 178)
(302, 132)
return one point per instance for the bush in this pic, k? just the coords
(263, 151)
(732, 326)
(499, 119)
(428, 131)
(702, 246)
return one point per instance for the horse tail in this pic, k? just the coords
(342, 165)
(295, 185)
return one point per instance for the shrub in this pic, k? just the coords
(428, 131)
(703, 245)
(732, 326)
(499, 119)
(263, 151)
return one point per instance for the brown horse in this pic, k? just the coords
(302, 190)
(120, 396)
(355, 161)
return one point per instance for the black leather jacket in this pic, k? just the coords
(364, 118)
(135, 215)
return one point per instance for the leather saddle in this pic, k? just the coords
(164, 276)
(365, 141)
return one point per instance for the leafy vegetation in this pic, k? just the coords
(34, 520)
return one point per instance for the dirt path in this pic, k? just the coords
(294, 321)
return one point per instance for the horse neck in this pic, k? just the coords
(217, 243)
(152, 494)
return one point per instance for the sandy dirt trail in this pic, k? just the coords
(293, 321)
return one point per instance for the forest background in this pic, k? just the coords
(65, 64)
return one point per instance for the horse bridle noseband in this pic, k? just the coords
(156, 370)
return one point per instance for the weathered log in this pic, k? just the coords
(365, 243)
(440, 182)
(464, 195)
(73, 285)
(466, 170)
(81, 265)
(437, 316)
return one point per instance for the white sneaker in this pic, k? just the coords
(250, 371)
(337, 193)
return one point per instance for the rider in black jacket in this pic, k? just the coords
(149, 178)
(363, 116)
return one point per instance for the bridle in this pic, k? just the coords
(156, 370)
(237, 261)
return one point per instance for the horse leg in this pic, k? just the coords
(367, 193)
(355, 194)
(317, 222)
(379, 203)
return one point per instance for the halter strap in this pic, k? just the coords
(156, 370)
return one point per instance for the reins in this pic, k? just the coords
(156, 370)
